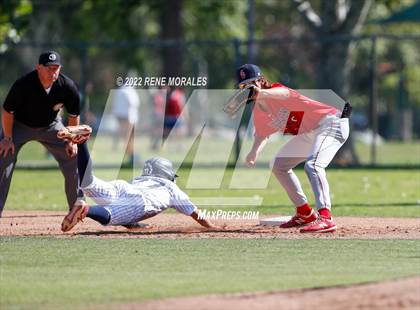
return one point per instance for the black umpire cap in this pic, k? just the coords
(49, 58)
(248, 73)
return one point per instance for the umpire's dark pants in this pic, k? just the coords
(47, 136)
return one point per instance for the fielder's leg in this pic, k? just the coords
(287, 158)
(326, 145)
(282, 168)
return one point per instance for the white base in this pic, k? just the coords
(275, 221)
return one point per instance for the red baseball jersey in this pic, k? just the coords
(293, 115)
(175, 103)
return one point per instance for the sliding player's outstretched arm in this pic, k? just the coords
(203, 221)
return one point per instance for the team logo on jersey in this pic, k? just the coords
(58, 106)
(286, 122)
(52, 57)
(294, 122)
(242, 74)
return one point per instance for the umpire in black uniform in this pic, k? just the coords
(30, 113)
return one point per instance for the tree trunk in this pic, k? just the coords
(336, 18)
(171, 33)
(334, 73)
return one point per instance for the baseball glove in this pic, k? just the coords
(238, 100)
(75, 134)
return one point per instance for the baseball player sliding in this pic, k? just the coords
(125, 203)
(319, 131)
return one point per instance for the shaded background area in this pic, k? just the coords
(365, 51)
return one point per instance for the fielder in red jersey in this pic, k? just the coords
(319, 132)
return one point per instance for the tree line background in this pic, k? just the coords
(303, 44)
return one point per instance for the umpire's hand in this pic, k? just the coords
(71, 149)
(6, 146)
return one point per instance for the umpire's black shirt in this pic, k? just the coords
(32, 106)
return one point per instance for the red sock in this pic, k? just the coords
(304, 209)
(325, 213)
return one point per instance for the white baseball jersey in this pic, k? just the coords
(143, 197)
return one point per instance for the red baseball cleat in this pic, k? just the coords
(75, 215)
(300, 220)
(321, 225)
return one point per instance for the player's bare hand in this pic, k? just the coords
(251, 159)
(6, 146)
(71, 149)
(217, 227)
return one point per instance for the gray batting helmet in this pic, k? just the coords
(159, 167)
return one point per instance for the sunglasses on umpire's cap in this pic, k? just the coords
(247, 74)
(49, 58)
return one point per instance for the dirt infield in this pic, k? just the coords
(43, 223)
(400, 294)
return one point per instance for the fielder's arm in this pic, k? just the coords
(257, 147)
(260, 95)
(276, 93)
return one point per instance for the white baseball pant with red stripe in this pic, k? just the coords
(317, 148)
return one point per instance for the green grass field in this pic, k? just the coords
(80, 272)
(58, 273)
(354, 192)
(389, 153)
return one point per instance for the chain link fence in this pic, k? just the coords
(381, 87)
